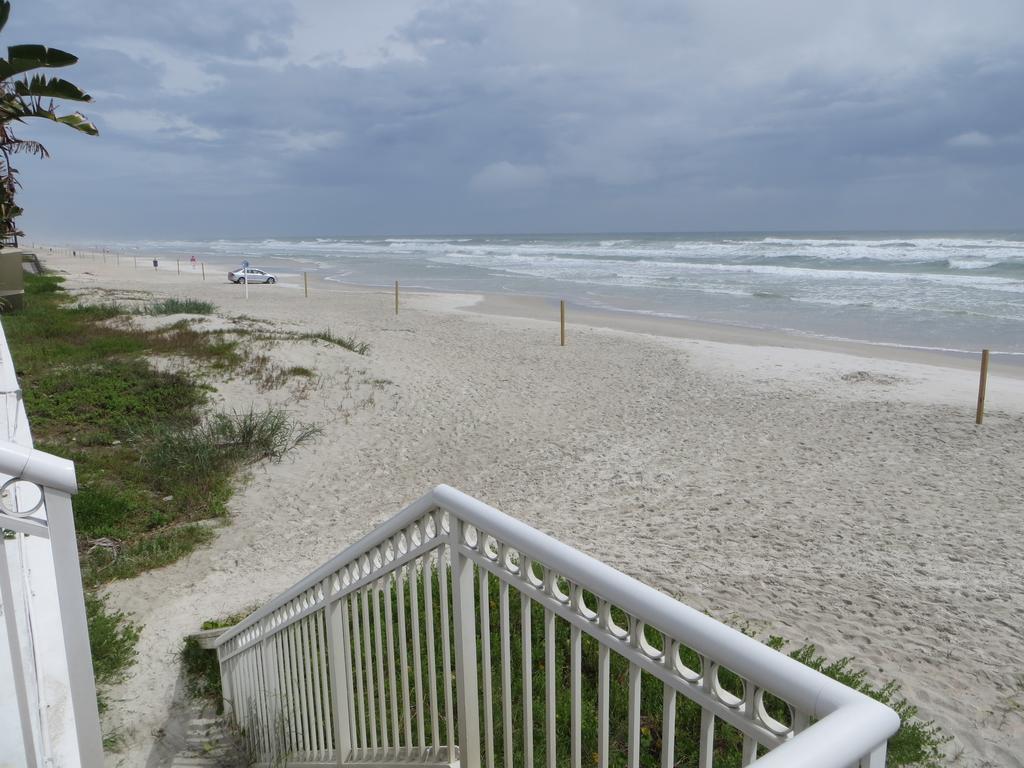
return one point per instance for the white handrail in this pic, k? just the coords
(787, 678)
(37, 467)
(848, 727)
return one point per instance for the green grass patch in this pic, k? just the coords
(95, 403)
(230, 621)
(149, 465)
(179, 307)
(112, 639)
(108, 561)
(38, 284)
(196, 465)
(202, 672)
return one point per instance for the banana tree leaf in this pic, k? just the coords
(22, 58)
(5, 11)
(16, 109)
(79, 122)
(52, 87)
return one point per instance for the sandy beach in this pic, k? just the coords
(835, 494)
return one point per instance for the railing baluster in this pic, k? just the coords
(707, 718)
(428, 610)
(244, 686)
(287, 696)
(312, 718)
(261, 730)
(446, 648)
(403, 657)
(294, 721)
(801, 721)
(268, 670)
(668, 727)
(298, 674)
(485, 664)
(603, 677)
(278, 741)
(371, 698)
(551, 727)
(749, 742)
(526, 622)
(575, 693)
(338, 682)
(417, 670)
(314, 681)
(465, 649)
(382, 690)
(282, 723)
(506, 671)
(306, 692)
(358, 666)
(876, 759)
(329, 704)
(634, 716)
(389, 625)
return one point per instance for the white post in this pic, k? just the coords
(339, 681)
(466, 686)
(227, 687)
(71, 601)
(20, 691)
(275, 742)
(877, 757)
(245, 279)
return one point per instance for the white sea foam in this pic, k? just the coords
(940, 284)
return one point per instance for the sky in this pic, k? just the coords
(246, 118)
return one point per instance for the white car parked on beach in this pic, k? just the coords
(251, 275)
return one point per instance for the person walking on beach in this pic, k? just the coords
(156, 264)
(193, 260)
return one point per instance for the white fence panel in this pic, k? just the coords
(500, 621)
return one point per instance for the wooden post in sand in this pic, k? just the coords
(179, 267)
(305, 283)
(202, 265)
(396, 297)
(136, 258)
(561, 308)
(982, 383)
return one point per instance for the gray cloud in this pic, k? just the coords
(317, 116)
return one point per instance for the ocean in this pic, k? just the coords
(949, 292)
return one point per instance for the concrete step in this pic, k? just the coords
(208, 742)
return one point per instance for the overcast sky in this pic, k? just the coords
(233, 118)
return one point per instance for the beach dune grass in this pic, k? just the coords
(351, 343)
(174, 306)
(150, 466)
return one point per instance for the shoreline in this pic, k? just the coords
(538, 307)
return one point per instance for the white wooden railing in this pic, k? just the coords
(48, 713)
(454, 633)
